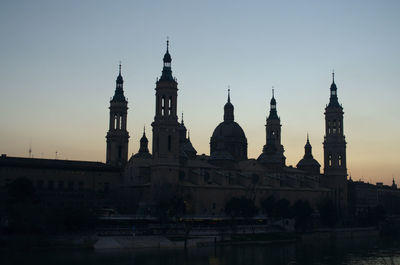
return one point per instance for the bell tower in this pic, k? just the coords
(165, 125)
(273, 149)
(117, 135)
(335, 149)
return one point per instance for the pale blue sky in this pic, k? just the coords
(59, 61)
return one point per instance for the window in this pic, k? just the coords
(71, 185)
(163, 106)
(40, 184)
(340, 160)
(115, 121)
(169, 106)
(61, 185)
(207, 178)
(106, 187)
(81, 185)
(330, 160)
(50, 185)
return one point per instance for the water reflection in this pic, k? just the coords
(360, 252)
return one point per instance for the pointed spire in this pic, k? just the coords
(307, 148)
(144, 130)
(119, 89)
(228, 108)
(182, 119)
(167, 72)
(273, 113)
(167, 43)
(333, 100)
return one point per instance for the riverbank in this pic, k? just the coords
(103, 242)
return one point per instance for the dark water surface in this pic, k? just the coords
(362, 252)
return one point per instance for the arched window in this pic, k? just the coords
(340, 161)
(334, 126)
(169, 106)
(163, 106)
(330, 160)
(115, 121)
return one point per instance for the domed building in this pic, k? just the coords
(308, 163)
(228, 141)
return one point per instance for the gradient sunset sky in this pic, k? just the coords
(59, 61)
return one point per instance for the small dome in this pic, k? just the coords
(144, 139)
(228, 105)
(120, 80)
(333, 86)
(167, 57)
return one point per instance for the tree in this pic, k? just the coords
(240, 207)
(268, 205)
(327, 212)
(282, 208)
(23, 208)
(301, 211)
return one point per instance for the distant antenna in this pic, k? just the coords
(30, 148)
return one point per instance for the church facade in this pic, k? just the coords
(173, 169)
(207, 182)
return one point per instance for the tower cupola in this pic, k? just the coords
(273, 114)
(167, 72)
(333, 100)
(308, 163)
(144, 143)
(119, 88)
(228, 109)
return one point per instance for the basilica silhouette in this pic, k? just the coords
(137, 184)
(207, 182)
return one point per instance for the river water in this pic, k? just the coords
(360, 252)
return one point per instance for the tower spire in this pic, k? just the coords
(167, 43)
(228, 108)
(273, 113)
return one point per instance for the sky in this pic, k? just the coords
(59, 61)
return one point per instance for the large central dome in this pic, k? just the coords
(228, 141)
